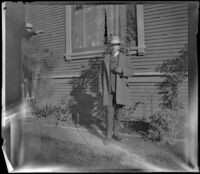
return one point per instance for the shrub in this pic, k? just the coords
(175, 71)
(60, 112)
(169, 122)
(168, 125)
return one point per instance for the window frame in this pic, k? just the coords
(98, 51)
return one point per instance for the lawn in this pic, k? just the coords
(46, 145)
(52, 145)
(74, 155)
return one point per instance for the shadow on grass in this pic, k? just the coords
(82, 109)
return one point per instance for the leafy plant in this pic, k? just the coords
(169, 122)
(59, 112)
(166, 126)
(131, 29)
(175, 72)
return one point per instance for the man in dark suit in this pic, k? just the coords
(116, 94)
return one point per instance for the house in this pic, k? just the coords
(76, 33)
(167, 27)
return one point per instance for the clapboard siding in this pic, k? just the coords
(171, 26)
(173, 12)
(155, 8)
(166, 33)
(71, 68)
(147, 94)
(166, 44)
(50, 19)
(61, 91)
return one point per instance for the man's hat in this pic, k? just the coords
(29, 25)
(115, 40)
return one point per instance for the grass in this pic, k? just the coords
(44, 148)
(49, 150)
(142, 127)
(161, 160)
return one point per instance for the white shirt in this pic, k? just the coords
(116, 54)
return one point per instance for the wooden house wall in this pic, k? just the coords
(166, 33)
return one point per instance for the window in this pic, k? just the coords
(88, 27)
(88, 23)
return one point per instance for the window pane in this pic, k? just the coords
(93, 26)
(78, 27)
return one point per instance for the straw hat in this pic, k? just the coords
(115, 40)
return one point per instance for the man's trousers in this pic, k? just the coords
(114, 116)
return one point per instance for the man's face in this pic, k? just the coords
(115, 48)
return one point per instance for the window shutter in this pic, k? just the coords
(140, 29)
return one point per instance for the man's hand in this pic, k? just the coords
(118, 70)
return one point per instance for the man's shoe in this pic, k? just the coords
(116, 137)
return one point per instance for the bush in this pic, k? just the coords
(175, 71)
(60, 112)
(168, 125)
(169, 122)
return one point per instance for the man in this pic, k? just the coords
(28, 62)
(116, 94)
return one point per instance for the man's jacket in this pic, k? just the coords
(117, 84)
